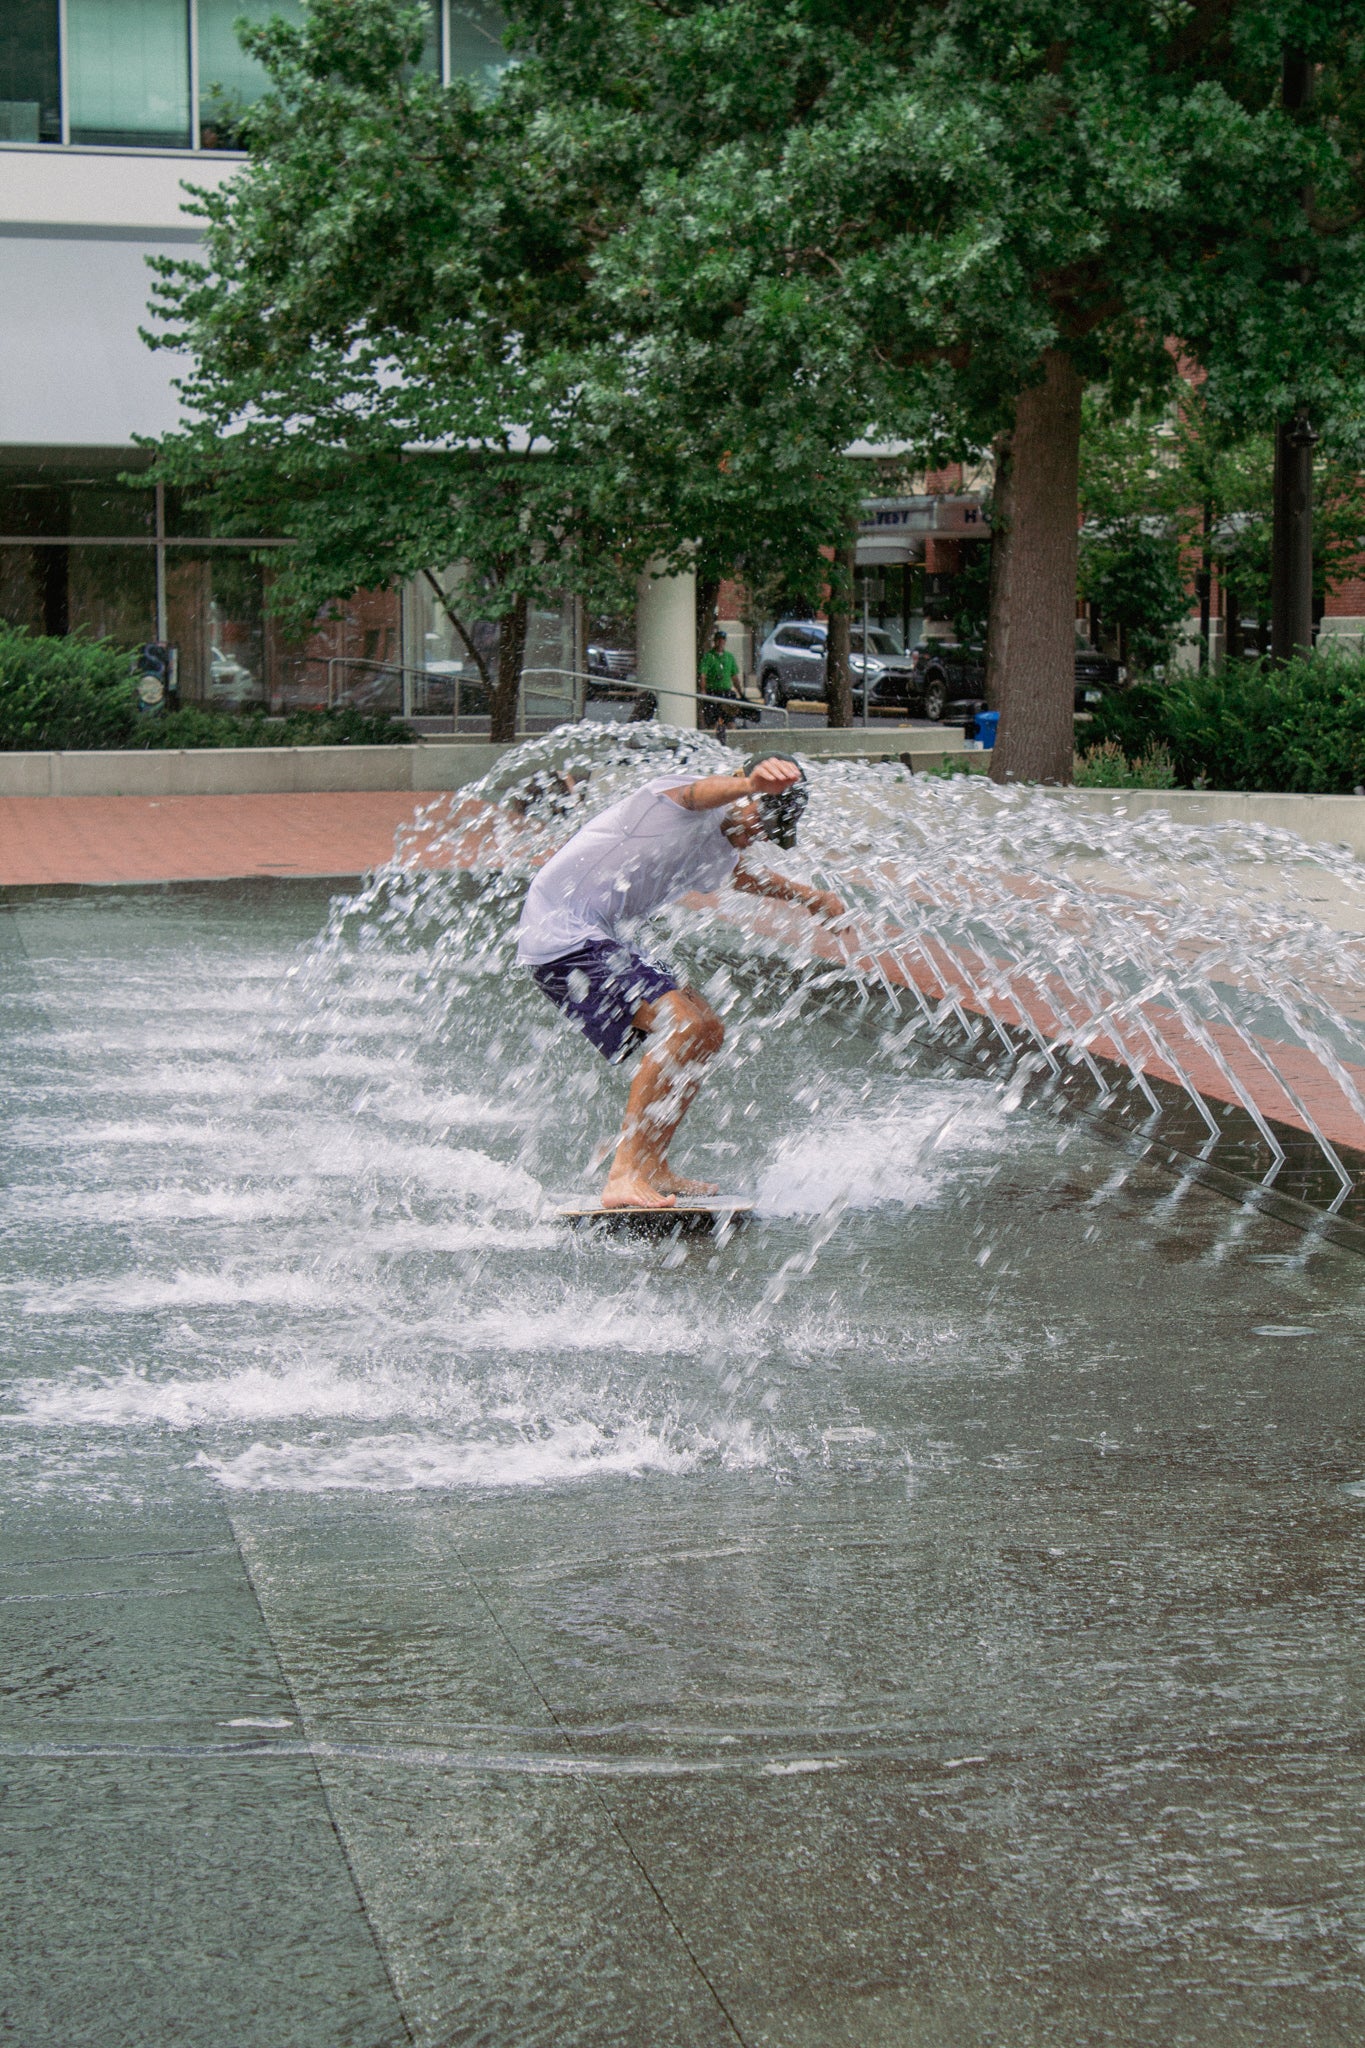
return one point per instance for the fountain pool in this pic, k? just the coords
(925, 1617)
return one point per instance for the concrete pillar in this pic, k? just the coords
(666, 642)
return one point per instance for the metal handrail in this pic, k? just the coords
(637, 689)
(572, 695)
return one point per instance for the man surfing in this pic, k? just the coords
(677, 834)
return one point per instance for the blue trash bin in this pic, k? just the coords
(986, 722)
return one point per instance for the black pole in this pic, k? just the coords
(1204, 584)
(1291, 558)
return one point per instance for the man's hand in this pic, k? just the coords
(824, 903)
(771, 775)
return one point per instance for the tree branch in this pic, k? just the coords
(473, 651)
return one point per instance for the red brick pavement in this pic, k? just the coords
(94, 839)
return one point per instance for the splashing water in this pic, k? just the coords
(314, 1245)
(1201, 984)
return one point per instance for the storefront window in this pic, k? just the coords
(215, 617)
(44, 502)
(111, 593)
(440, 663)
(30, 76)
(129, 67)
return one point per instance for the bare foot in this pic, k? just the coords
(673, 1184)
(633, 1191)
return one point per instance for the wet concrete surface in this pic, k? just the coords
(931, 1617)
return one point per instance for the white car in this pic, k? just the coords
(791, 663)
(230, 681)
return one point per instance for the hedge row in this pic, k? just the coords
(76, 694)
(1246, 726)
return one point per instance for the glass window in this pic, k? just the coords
(30, 81)
(110, 591)
(94, 590)
(215, 614)
(229, 80)
(879, 643)
(475, 40)
(129, 65)
(44, 503)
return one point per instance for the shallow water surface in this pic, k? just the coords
(925, 1616)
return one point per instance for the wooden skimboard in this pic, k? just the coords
(689, 1213)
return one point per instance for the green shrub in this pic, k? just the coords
(195, 726)
(75, 693)
(1108, 767)
(1300, 727)
(68, 693)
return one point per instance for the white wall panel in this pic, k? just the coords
(73, 371)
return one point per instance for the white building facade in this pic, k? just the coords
(108, 109)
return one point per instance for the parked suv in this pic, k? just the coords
(792, 664)
(951, 672)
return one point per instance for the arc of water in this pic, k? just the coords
(1165, 1054)
(1324, 1144)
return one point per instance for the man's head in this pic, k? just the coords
(718, 640)
(780, 806)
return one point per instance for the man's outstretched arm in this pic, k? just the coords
(713, 792)
(822, 903)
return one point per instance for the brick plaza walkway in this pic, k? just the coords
(111, 839)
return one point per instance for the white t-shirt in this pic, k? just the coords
(633, 858)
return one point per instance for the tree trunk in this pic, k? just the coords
(998, 602)
(708, 594)
(1291, 543)
(838, 675)
(1036, 741)
(511, 654)
(1291, 547)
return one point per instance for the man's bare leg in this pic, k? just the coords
(684, 1034)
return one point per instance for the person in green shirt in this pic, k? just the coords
(718, 676)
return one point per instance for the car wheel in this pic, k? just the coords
(773, 693)
(935, 697)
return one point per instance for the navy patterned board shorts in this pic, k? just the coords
(599, 987)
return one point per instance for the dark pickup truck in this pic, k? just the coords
(948, 677)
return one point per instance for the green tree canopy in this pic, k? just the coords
(969, 212)
(408, 354)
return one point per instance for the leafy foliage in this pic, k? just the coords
(193, 726)
(63, 694)
(409, 355)
(1136, 580)
(1160, 485)
(1108, 767)
(1299, 727)
(74, 694)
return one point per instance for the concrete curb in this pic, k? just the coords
(1330, 820)
(426, 769)
(248, 771)
(437, 765)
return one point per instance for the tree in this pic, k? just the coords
(407, 355)
(1171, 493)
(981, 211)
(355, 327)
